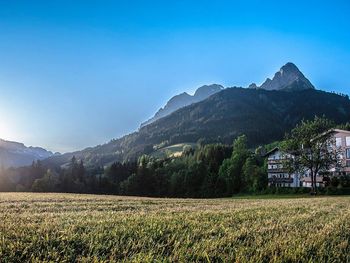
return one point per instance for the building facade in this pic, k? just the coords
(342, 143)
(278, 175)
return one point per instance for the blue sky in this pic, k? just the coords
(79, 73)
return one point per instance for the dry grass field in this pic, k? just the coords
(90, 228)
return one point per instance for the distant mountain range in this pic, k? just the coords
(262, 113)
(14, 154)
(289, 77)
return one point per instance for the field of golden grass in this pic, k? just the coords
(91, 228)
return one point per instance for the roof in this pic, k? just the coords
(272, 151)
(330, 131)
(339, 130)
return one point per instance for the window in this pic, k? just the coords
(347, 139)
(347, 163)
(347, 151)
(338, 142)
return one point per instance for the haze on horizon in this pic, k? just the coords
(79, 74)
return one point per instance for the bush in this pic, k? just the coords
(337, 191)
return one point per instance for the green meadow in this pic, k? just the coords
(93, 228)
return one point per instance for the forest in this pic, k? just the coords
(211, 170)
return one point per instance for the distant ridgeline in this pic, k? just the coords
(184, 99)
(14, 154)
(214, 114)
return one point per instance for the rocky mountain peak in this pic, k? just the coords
(290, 68)
(184, 99)
(252, 86)
(289, 77)
(207, 90)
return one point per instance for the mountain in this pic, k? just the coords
(289, 77)
(184, 99)
(263, 115)
(14, 154)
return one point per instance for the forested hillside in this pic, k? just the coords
(263, 116)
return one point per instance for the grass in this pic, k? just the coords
(89, 228)
(272, 196)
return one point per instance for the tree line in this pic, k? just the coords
(212, 170)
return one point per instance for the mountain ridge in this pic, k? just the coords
(288, 78)
(15, 154)
(184, 99)
(263, 115)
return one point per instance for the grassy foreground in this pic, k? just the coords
(89, 228)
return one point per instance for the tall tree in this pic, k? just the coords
(230, 172)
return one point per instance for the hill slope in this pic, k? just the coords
(262, 113)
(264, 116)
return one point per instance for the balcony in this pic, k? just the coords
(280, 180)
(276, 170)
(273, 161)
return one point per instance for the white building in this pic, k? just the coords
(342, 142)
(278, 176)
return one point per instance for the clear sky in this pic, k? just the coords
(79, 73)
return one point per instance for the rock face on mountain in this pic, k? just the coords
(288, 78)
(14, 154)
(184, 99)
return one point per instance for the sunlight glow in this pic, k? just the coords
(6, 132)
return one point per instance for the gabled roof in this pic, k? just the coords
(272, 151)
(339, 130)
(330, 131)
(327, 132)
